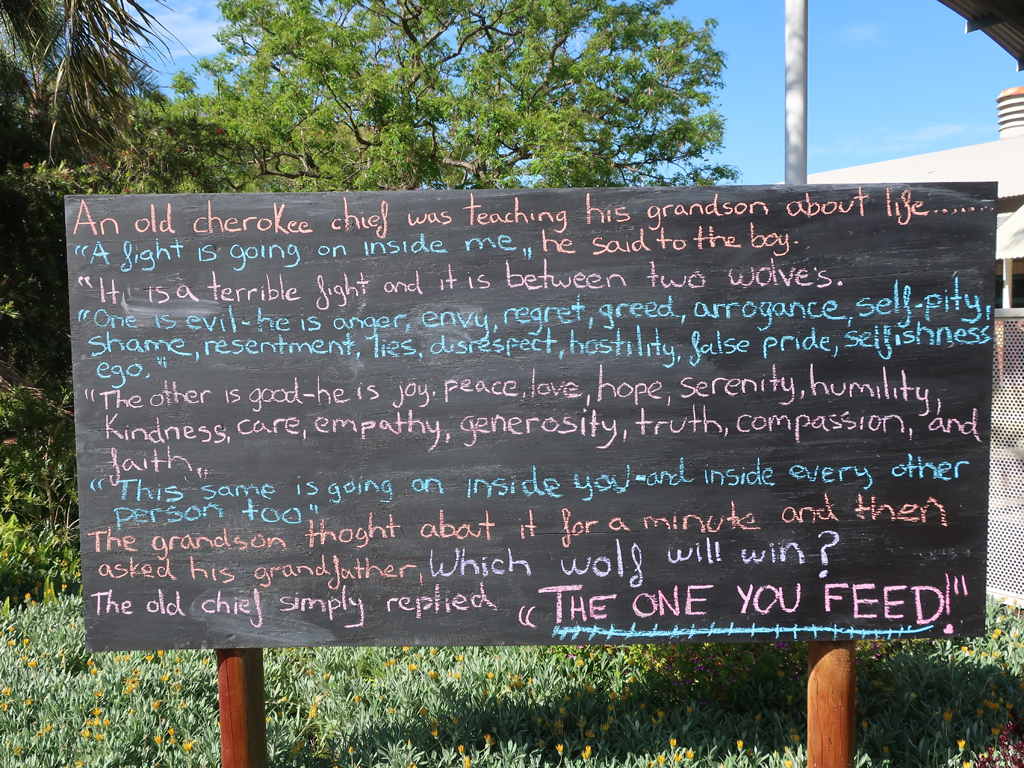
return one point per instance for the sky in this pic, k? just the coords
(887, 78)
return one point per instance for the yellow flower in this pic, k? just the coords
(559, 748)
(947, 715)
(465, 761)
(158, 739)
(32, 663)
(85, 733)
(739, 744)
(672, 742)
(678, 757)
(187, 745)
(788, 764)
(490, 675)
(961, 743)
(159, 653)
(99, 737)
(156, 704)
(423, 711)
(587, 750)
(661, 759)
(886, 750)
(689, 755)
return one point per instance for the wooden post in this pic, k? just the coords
(243, 728)
(831, 702)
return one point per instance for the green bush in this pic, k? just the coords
(37, 460)
(36, 563)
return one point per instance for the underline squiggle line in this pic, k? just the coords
(836, 631)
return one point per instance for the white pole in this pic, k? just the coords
(796, 91)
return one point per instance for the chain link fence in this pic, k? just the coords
(1006, 491)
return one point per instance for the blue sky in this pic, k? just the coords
(888, 78)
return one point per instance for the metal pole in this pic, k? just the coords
(243, 728)
(796, 91)
(831, 668)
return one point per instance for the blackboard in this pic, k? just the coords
(532, 416)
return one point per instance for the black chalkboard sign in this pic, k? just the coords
(532, 416)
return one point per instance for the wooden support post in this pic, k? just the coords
(243, 727)
(831, 702)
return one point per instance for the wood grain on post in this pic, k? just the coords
(243, 728)
(831, 702)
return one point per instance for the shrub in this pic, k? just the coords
(37, 460)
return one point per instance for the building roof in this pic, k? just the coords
(1001, 161)
(1002, 20)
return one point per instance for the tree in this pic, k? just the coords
(70, 69)
(402, 94)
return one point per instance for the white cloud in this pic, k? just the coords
(188, 33)
(928, 138)
(860, 33)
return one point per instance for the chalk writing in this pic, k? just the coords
(607, 415)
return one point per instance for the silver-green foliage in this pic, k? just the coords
(532, 706)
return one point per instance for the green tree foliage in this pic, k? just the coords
(403, 94)
(69, 71)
